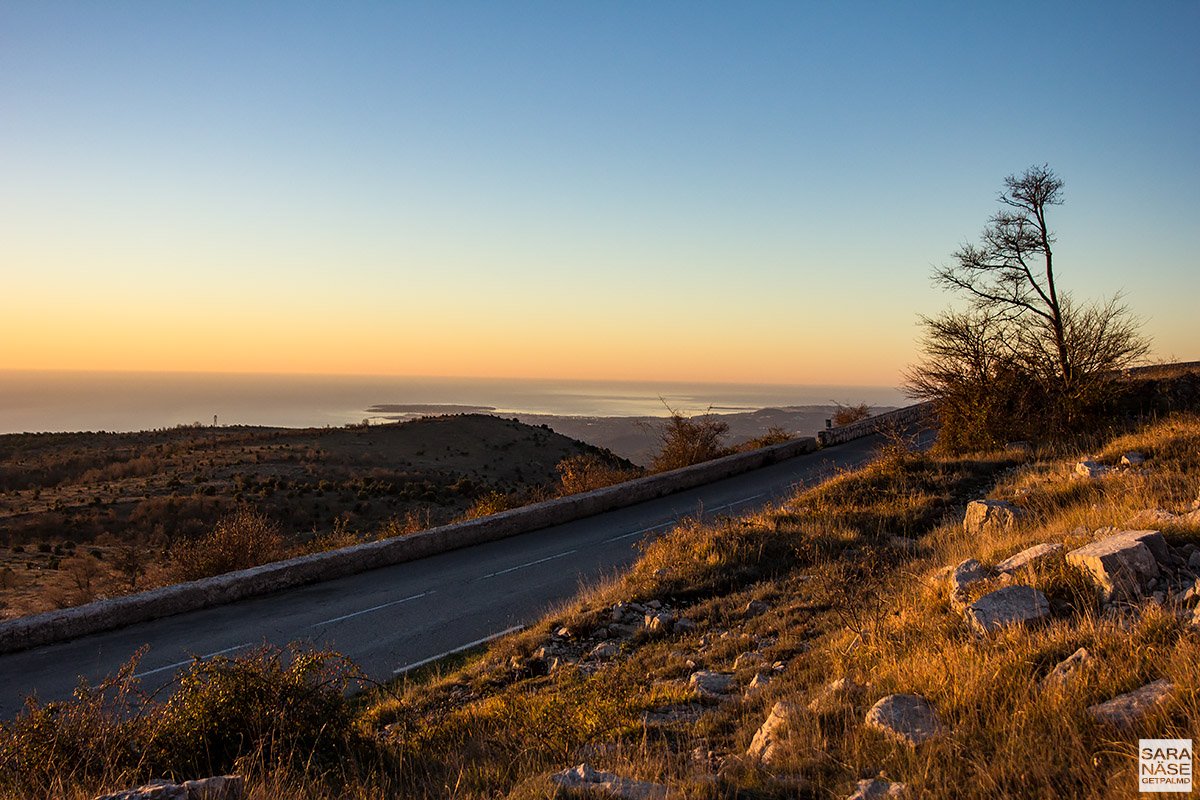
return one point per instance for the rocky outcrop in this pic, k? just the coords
(906, 717)
(1069, 668)
(1127, 710)
(220, 787)
(1012, 605)
(1121, 564)
(1029, 557)
(585, 778)
(875, 789)
(765, 745)
(990, 516)
(711, 684)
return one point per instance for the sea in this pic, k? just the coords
(68, 401)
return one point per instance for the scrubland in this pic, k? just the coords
(845, 580)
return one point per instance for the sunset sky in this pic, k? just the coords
(707, 191)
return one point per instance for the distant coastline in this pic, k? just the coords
(53, 401)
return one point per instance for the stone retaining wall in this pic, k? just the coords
(70, 623)
(900, 418)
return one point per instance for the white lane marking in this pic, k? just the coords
(369, 610)
(467, 646)
(643, 530)
(190, 660)
(739, 502)
(530, 564)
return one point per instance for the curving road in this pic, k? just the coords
(399, 617)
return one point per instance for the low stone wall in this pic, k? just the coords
(901, 417)
(71, 623)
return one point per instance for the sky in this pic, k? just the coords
(695, 191)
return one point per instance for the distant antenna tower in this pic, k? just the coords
(214, 420)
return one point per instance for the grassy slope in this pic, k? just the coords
(844, 601)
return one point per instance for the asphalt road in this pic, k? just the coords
(395, 618)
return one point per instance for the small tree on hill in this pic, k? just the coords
(1023, 346)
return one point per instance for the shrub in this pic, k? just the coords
(240, 540)
(847, 414)
(585, 472)
(688, 440)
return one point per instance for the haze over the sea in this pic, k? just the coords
(42, 401)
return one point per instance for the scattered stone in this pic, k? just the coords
(1029, 557)
(1153, 516)
(906, 717)
(1069, 668)
(1133, 459)
(967, 573)
(543, 653)
(685, 625)
(1090, 469)
(1194, 560)
(220, 787)
(765, 745)
(747, 660)
(755, 608)
(661, 622)
(990, 516)
(1012, 605)
(564, 632)
(1119, 564)
(604, 651)
(655, 604)
(759, 682)
(1124, 711)
(835, 696)
(875, 789)
(1191, 595)
(711, 684)
(964, 575)
(584, 777)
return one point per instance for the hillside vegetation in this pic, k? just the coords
(89, 515)
(801, 617)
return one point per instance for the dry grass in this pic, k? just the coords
(845, 600)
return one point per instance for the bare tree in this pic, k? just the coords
(1020, 327)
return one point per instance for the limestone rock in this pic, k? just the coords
(220, 787)
(584, 778)
(1194, 561)
(1069, 668)
(760, 682)
(1012, 605)
(1124, 711)
(1029, 557)
(765, 745)
(963, 576)
(747, 660)
(685, 625)
(711, 684)
(1090, 469)
(660, 622)
(1133, 459)
(990, 516)
(835, 696)
(906, 717)
(755, 608)
(1120, 564)
(604, 651)
(1153, 516)
(875, 789)
(967, 573)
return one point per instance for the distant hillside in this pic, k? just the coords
(70, 502)
(636, 438)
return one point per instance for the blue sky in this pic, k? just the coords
(688, 191)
